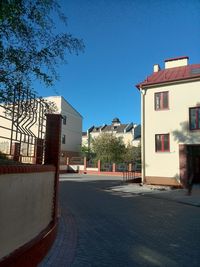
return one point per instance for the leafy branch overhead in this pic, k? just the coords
(30, 45)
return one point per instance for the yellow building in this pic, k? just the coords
(170, 103)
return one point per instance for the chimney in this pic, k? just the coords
(176, 62)
(156, 68)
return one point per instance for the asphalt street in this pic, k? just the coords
(100, 227)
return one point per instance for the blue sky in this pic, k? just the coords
(123, 39)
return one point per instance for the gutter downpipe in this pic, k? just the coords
(143, 93)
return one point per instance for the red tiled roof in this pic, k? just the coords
(172, 74)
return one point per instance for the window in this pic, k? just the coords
(194, 114)
(64, 119)
(162, 142)
(63, 139)
(161, 100)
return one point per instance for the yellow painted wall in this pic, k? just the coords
(174, 121)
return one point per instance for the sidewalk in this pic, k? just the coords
(135, 189)
(163, 192)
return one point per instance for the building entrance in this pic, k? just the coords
(193, 158)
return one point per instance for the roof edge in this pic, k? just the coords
(140, 85)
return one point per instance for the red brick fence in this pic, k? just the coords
(83, 166)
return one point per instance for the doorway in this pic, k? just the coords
(193, 160)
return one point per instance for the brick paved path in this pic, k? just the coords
(101, 228)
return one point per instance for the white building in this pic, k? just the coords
(130, 133)
(71, 126)
(170, 101)
(26, 129)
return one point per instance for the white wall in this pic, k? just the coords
(176, 63)
(174, 121)
(73, 128)
(26, 205)
(85, 140)
(127, 138)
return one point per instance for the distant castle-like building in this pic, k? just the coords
(130, 133)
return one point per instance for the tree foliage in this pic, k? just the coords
(108, 148)
(132, 154)
(30, 45)
(85, 151)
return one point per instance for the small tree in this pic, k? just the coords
(132, 154)
(137, 154)
(108, 148)
(85, 151)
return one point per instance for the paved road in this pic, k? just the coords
(102, 228)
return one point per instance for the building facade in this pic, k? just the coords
(71, 134)
(130, 133)
(170, 103)
(25, 127)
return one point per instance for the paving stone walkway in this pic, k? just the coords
(106, 223)
(62, 252)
